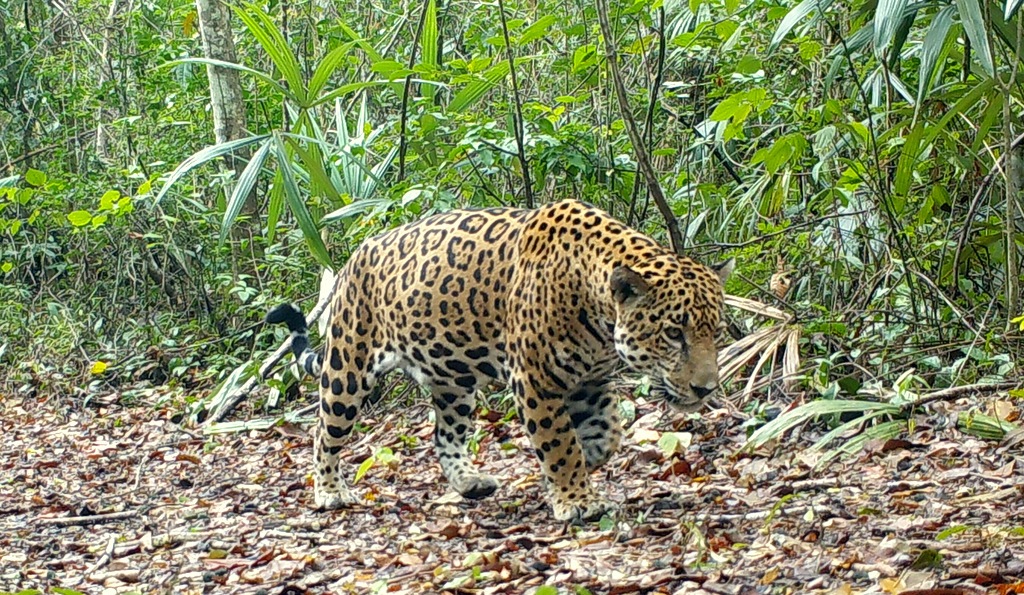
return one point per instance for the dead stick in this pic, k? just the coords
(268, 364)
(108, 553)
(95, 519)
(958, 391)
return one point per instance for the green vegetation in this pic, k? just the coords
(870, 150)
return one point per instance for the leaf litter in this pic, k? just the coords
(115, 499)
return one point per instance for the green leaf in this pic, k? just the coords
(314, 164)
(364, 467)
(7, 267)
(326, 68)
(889, 16)
(536, 30)
(950, 532)
(275, 204)
(748, 65)
(242, 189)
(428, 40)
(293, 198)
(35, 178)
(546, 590)
(80, 218)
(799, 12)
(963, 105)
(204, 156)
(933, 50)
(909, 156)
(256, 73)
(795, 417)
(475, 90)
(277, 48)
(974, 25)
(108, 199)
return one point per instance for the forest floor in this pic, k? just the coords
(112, 499)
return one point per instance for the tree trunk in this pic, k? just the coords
(226, 101)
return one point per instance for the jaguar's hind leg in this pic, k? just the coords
(344, 390)
(453, 408)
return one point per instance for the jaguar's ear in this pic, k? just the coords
(724, 269)
(627, 285)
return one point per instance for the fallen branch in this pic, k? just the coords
(108, 553)
(240, 395)
(96, 519)
(954, 392)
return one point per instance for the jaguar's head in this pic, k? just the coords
(668, 321)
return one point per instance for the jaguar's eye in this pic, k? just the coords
(674, 334)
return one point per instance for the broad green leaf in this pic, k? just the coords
(256, 73)
(293, 197)
(35, 178)
(364, 467)
(974, 26)
(963, 105)
(428, 41)
(274, 44)
(536, 30)
(888, 18)
(748, 65)
(908, 159)
(326, 68)
(315, 166)
(275, 204)
(1011, 9)
(204, 156)
(80, 218)
(475, 90)
(933, 51)
(108, 199)
(243, 187)
(799, 12)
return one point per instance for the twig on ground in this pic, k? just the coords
(96, 519)
(108, 553)
(958, 391)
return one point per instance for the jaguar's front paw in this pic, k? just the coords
(582, 510)
(332, 500)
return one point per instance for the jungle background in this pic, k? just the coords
(170, 170)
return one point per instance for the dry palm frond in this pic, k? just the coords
(765, 345)
(781, 280)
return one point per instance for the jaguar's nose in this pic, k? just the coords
(703, 391)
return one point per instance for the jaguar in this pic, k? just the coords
(551, 302)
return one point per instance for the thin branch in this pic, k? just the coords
(403, 140)
(642, 158)
(652, 105)
(972, 210)
(517, 116)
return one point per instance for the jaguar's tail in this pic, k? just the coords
(291, 315)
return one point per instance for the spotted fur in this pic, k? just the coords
(551, 301)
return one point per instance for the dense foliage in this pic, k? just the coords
(860, 146)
